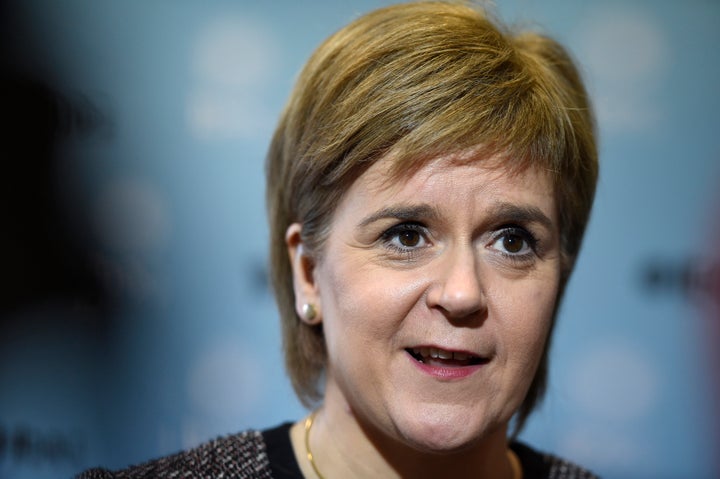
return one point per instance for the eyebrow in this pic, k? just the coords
(502, 212)
(520, 214)
(403, 213)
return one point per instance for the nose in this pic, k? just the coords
(457, 289)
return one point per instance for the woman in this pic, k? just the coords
(428, 186)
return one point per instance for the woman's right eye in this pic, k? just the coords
(409, 238)
(405, 237)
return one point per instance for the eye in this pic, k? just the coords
(405, 237)
(514, 241)
(409, 238)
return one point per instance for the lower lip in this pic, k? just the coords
(446, 373)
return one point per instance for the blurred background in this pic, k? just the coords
(135, 317)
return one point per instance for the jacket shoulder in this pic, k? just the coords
(240, 455)
(539, 465)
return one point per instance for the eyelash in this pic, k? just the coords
(390, 239)
(527, 237)
(391, 235)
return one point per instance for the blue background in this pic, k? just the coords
(165, 199)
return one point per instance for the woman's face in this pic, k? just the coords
(436, 294)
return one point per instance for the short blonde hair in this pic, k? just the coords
(421, 80)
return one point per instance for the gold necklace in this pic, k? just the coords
(512, 457)
(515, 464)
(308, 425)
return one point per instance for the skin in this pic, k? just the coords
(460, 256)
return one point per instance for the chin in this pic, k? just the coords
(446, 435)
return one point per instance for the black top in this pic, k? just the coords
(269, 455)
(280, 452)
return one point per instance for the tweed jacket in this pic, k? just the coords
(269, 455)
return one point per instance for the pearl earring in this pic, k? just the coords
(309, 312)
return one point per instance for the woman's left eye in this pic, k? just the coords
(514, 242)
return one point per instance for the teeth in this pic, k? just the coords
(436, 353)
(444, 354)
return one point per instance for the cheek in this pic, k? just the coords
(526, 317)
(362, 302)
(543, 309)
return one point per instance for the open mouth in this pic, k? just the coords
(441, 357)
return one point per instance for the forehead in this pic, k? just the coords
(453, 177)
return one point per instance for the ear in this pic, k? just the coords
(303, 269)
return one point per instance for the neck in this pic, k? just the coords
(343, 446)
